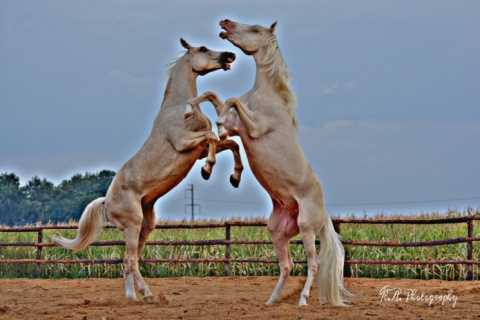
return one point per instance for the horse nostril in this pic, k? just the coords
(227, 21)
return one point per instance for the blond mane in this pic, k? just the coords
(171, 65)
(278, 72)
(171, 68)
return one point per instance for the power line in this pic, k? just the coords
(354, 204)
(405, 202)
(192, 203)
(173, 200)
(229, 201)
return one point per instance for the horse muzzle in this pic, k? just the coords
(226, 58)
(225, 25)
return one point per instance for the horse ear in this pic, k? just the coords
(185, 44)
(272, 27)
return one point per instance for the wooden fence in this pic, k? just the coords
(227, 260)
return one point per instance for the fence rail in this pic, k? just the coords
(227, 260)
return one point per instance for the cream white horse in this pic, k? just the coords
(264, 118)
(161, 164)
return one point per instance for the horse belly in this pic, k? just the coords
(163, 179)
(151, 174)
(283, 220)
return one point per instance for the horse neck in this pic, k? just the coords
(262, 79)
(181, 86)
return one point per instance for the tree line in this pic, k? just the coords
(39, 200)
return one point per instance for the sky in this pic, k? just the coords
(388, 96)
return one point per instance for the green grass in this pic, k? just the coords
(411, 233)
(354, 232)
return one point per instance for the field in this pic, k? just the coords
(234, 298)
(199, 291)
(364, 232)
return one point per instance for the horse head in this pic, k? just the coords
(248, 38)
(204, 60)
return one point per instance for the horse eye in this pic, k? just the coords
(203, 49)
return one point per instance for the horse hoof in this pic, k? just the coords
(205, 174)
(149, 299)
(235, 183)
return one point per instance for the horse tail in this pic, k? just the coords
(89, 226)
(330, 274)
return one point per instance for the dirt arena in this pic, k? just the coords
(235, 298)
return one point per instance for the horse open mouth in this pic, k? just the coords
(226, 59)
(223, 34)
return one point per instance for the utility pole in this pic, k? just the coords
(192, 202)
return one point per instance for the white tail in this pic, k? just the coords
(330, 274)
(89, 226)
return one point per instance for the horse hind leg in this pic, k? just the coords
(286, 265)
(148, 225)
(308, 238)
(282, 228)
(130, 266)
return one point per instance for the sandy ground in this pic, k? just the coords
(235, 298)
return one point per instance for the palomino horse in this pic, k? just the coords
(264, 119)
(161, 164)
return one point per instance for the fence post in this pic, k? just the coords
(347, 273)
(38, 267)
(469, 249)
(226, 267)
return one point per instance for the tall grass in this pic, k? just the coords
(411, 233)
(355, 232)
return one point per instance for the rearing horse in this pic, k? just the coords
(163, 161)
(264, 118)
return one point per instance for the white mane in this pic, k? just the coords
(278, 72)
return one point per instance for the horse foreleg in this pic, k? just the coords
(207, 96)
(210, 162)
(193, 139)
(246, 116)
(231, 145)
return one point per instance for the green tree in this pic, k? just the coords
(38, 197)
(10, 198)
(40, 201)
(74, 194)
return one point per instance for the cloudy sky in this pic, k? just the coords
(388, 95)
